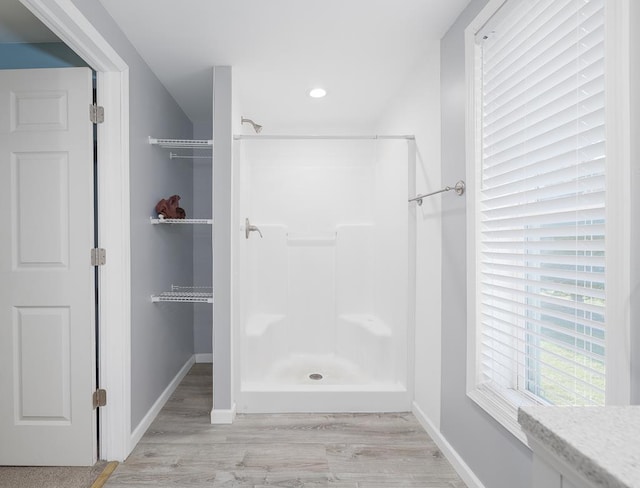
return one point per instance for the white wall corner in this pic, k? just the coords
(222, 416)
(153, 412)
(463, 470)
(206, 357)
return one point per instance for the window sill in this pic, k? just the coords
(503, 407)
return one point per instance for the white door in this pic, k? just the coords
(47, 336)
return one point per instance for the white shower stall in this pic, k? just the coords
(322, 316)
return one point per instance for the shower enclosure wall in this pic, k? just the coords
(321, 318)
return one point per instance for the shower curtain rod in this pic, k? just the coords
(238, 137)
(459, 189)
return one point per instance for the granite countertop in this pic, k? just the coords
(601, 443)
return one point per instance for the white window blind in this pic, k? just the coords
(541, 280)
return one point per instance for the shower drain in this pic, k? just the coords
(315, 376)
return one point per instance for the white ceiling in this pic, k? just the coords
(360, 51)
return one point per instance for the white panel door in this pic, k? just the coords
(47, 336)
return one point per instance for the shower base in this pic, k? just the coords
(294, 385)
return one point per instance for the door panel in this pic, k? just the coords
(47, 336)
(42, 365)
(36, 111)
(41, 205)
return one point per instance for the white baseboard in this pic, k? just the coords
(219, 416)
(206, 357)
(153, 412)
(463, 470)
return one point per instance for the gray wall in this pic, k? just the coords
(202, 254)
(161, 334)
(222, 199)
(635, 202)
(495, 456)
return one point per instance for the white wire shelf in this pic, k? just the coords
(182, 143)
(160, 220)
(185, 294)
(187, 156)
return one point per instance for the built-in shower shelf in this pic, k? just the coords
(185, 294)
(181, 143)
(181, 221)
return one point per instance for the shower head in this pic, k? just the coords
(256, 127)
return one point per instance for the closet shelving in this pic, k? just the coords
(181, 143)
(189, 294)
(193, 294)
(186, 156)
(160, 220)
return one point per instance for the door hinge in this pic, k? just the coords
(98, 256)
(96, 113)
(99, 398)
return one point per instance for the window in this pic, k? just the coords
(539, 228)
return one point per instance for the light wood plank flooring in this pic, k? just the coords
(182, 449)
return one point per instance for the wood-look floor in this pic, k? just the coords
(182, 449)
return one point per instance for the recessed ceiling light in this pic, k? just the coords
(317, 93)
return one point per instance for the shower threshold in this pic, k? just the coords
(319, 398)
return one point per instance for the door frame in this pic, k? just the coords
(114, 362)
